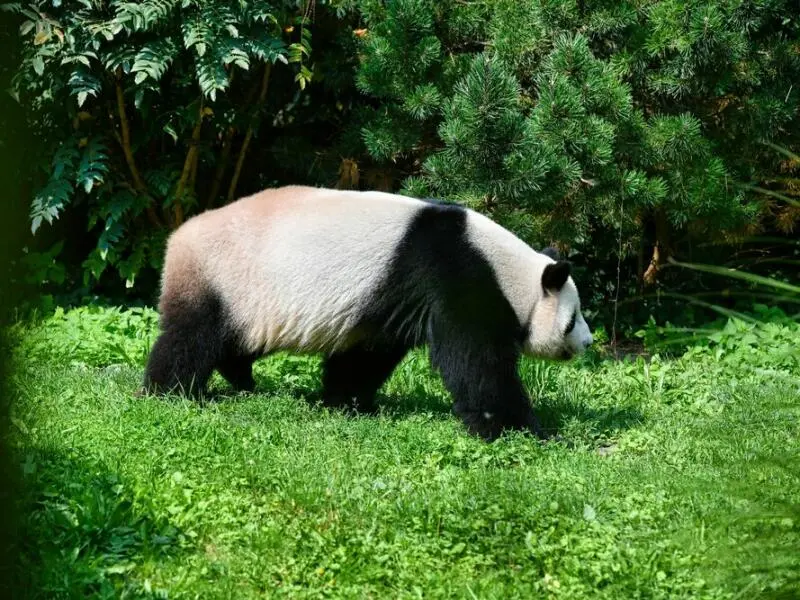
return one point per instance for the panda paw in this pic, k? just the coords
(487, 426)
(350, 404)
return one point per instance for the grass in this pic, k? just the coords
(679, 479)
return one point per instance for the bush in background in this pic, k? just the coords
(603, 128)
(146, 112)
(623, 133)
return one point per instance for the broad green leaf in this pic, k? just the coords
(38, 65)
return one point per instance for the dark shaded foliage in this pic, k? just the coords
(622, 133)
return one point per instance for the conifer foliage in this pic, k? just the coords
(603, 127)
(403, 69)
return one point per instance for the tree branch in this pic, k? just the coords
(251, 93)
(193, 172)
(125, 142)
(188, 165)
(225, 156)
(660, 249)
(227, 146)
(249, 135)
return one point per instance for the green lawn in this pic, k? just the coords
(677, 479)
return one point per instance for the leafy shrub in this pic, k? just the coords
(148, 110)
(90, 335)
(757, 346)
(760, 345)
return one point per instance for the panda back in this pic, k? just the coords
(294, 268)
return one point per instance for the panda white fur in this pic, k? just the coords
(363, 277)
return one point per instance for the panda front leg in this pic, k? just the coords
(487, 392)
(352, 377)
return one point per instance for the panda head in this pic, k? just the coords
(557, 328)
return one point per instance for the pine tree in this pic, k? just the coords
(401, 66)
(482, 123)
(598, 126)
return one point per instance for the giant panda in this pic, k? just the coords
(363, 277)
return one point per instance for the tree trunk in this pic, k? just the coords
(188, 165)
(349, 175)
(249, 135)
(660, 249)
(125, 142)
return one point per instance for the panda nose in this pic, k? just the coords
(588, 341)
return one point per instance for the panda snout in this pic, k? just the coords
(578, 348)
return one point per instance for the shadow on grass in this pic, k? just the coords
(559, 417)
(83, 531)
(415, 389)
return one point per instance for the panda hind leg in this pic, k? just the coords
(351, 378)
(181, 361)
(237, 369)
(188, 348)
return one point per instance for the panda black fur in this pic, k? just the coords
(363, 277)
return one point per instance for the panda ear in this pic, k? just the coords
(555, 275)
(551, 252)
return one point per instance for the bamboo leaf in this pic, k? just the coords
(741, 275)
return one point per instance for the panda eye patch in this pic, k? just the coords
(570, 325)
